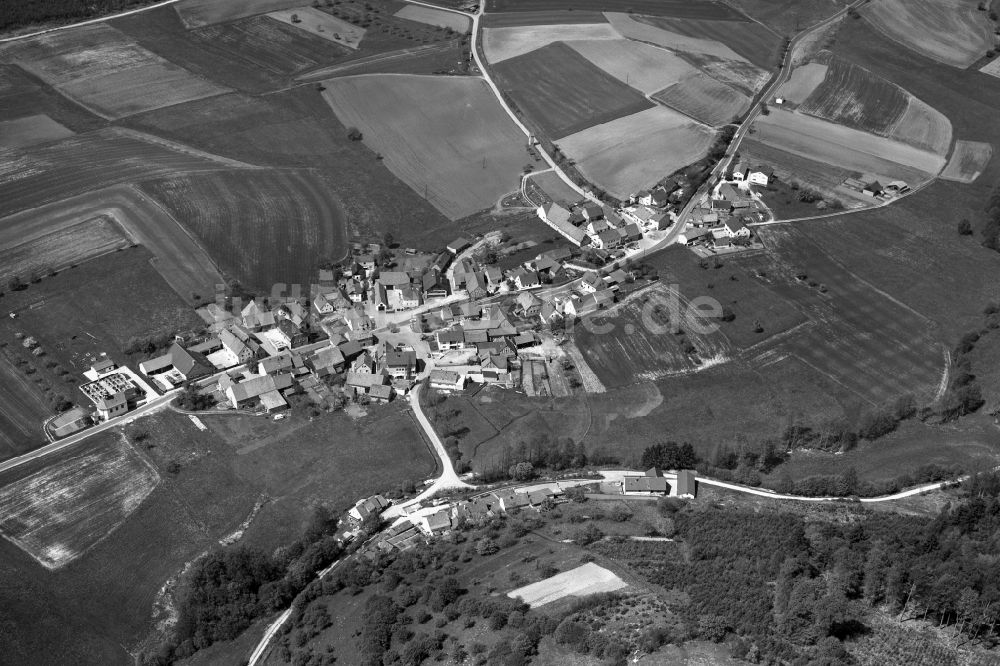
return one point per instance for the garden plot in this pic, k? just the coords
(846, 148)
(501, 44)
(59, 513)
(954, 32)
(968, 161)
(437, 17)
(445, 137)
(632, 153)
(704, 99)
(105, 71)
(645, 68)
(31, 130)
(322, 25)
(582, 581)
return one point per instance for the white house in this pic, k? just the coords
(760, 175)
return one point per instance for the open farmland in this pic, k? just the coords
(646, 68)
(106, 71)
(845, 147)
(500, 44)
(704, 99)
(582, 581)
(443, 136)
(197, 13)
(803, 81)
(954, 32)
(551, 17)
(753, 41)
(436, 17)
(185, 266)
(61, 512)
(87, 162)
(59, 248)
(787, 17)
(271, 44)
(871, 343)
(967, 161)
(30, 130)
(626, 155)
(854, 96)
(23, 405)
(262, 227)
(321, 24)
(707, 9)
(561, 92)
(637, 340)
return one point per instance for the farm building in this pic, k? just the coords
(263, 391)
(70, 422)
(445, 380)
(650, 483)
(558, 218)
(687, 484)
(459, 244)
(177, 365)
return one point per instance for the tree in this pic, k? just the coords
(194, 400)
(487, 546)
(965, 228)
(522, 471)
(15, 284)
(387, 239)
(354, 134)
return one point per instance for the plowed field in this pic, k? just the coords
(854, 96)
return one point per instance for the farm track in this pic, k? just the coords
(331, 71)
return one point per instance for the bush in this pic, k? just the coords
(354, 134)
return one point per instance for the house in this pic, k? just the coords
(476, 285)
(510, 500)
(658, 197)
(609, 238)
(294, 312)
(393, 279)
(326, 361)
(592, 211)
(692, 235)
(760, 176)
(436, 523)
(526, 339)
(595, 227)
(739, 172)
(408, 297)
(350, 349)
(401, 364)
(372, 506)
(732, 228)
(617, 277)
(236, 346)
(525, 279)
(630, 233)
(274, 364)
(177, 361)
(445, 380)
(651, 483)
(441, 262)
(361, 383)
(358, 321)
(458, 245)
(381, 393)
(433, 285)
(322, 305)
(111, 394)
(528, 304)
(257, 318)
(687, 484)
(540, 497)
(591, 282)
(364, 364)
(450, 339)
(253, 390)
(494, 278)
(590, 302)
(290, 335)
(543, 264)
(549, 312)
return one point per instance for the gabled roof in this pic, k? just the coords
(394, 279)
(401, 359)
(451, 335)
(527, 300)
(364, 379)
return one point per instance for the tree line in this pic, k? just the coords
(26, 13)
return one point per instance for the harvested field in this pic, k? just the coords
(803, 81)
(500, 44)
(992, 68)
(923, 127)
(788, 17)
(443, 136)
(271, 44)
(31, 130)
(184, 265)
(844, 147)
(322, 25)
(555, 188)
(553, 17)
(854, 96)
(707, 9)
(87, 162)
(653, 30)
(23, 407)
(752, 41)
(196, 13)
(704, 99)
(562, 92)
(968, 161)
(58, 514)
(58, 249)
(953, 32)
(632, 153)
(436, 17)
(637, 341)
(872, 344)
(106, 71)
(582, 581)
(262, 227)
(643, 67)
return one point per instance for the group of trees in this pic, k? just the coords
(22, 14)
(669, 455)
(540, 452)
(194, 400)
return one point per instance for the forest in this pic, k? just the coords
(24, 13)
